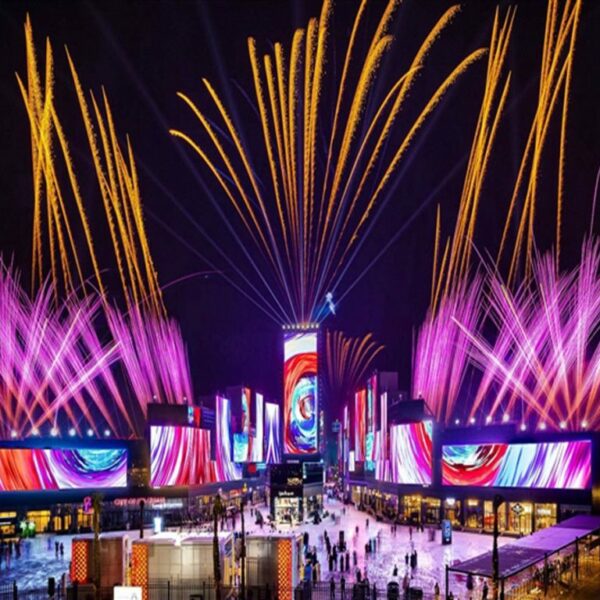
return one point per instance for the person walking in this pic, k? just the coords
(395, 571)
(436, 591)
(62, 550)
(342, 588)
(332, 589)
(484, 593)
(354, 558)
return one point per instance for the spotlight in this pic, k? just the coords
(472, 420)
(584, 424)
(90, 432)
(505, 418)
(488, 419)
(35, 431)
(107, 433)
(542, 426)
(13, 434)
(457, 421)
(523, 427)
(563, 425)
(54, 432)
(72, 432)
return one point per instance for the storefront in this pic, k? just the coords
(431, 510)
(546, 515)
(287, 508)
(411, 509)
(473, 514)
(452, 511)
(488, 516)
(520, 518)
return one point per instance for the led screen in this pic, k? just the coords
(273, 438)
(360, 422)
(410, 455)
(259, 439)
(37, 469)
(565, 465)
(227, 470)
(240, 447)
(179, 456)
(300, 393)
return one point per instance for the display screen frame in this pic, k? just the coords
(518, 465)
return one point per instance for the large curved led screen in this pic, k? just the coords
(564, 465)
(300, 393)
(38, 469)
(179, 456)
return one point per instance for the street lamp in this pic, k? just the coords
(498, 501)
(217, 511)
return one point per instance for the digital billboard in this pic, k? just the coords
(273, 437)
(38, 469)
(560, 465)
(300, 393)
(259, 430)
(411, 453)
(226, 469)
(360, 423)
(179, 456)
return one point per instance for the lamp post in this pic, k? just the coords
(217, 510)
(243, 551)
(142, 505)
(498, 500)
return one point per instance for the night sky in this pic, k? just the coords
(144, 52)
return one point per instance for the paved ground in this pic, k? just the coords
(38, 560)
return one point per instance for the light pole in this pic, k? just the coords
(217, 510)
(243, 551)
(498, 500)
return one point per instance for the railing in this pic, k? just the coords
(205, 591)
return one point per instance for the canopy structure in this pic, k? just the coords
(530, 550)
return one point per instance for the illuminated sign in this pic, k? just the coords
(38, 469)
(300, 393)
(551, 465)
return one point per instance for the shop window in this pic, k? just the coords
(473, 514)
(520, 517)
(545, 516)
(488, 516)
(40, 519)
(412, 508)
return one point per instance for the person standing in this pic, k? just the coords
(436, 591)
(342, 588)
(332, 589)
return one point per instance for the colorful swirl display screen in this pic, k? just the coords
(300, 393)
(411, 451)
(566, 465)
(273, 441)
(179, 456)
(37, 469)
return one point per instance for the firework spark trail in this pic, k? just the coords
(117, 179)
(457, 252)
(348, 360)
(555, 76)
(52, 362)
(544, 353)
(154, 356)
(440, 353)
(62, 336)
(318, 208)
